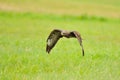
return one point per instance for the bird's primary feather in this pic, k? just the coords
(78, 36)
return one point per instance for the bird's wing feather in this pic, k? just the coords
(52, 39)
(77, 35)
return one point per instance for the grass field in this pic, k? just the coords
(25, 26)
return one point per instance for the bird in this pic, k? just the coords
(56, 34)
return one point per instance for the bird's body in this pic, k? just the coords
(56, 34)
(66, 34)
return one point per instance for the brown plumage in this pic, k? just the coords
(56, 34)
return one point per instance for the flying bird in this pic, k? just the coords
(56, 34)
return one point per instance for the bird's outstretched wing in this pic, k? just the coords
(52, 39)
(78, 36)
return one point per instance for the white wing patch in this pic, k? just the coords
(49, 42)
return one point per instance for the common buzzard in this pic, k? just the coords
(56, 34)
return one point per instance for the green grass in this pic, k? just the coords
(23, 41)
(103, 8)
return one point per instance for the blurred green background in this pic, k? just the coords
(26, 24)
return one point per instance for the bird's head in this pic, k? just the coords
(63, 33)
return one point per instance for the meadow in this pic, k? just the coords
(25, 26)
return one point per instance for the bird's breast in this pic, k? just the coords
(67, 36)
